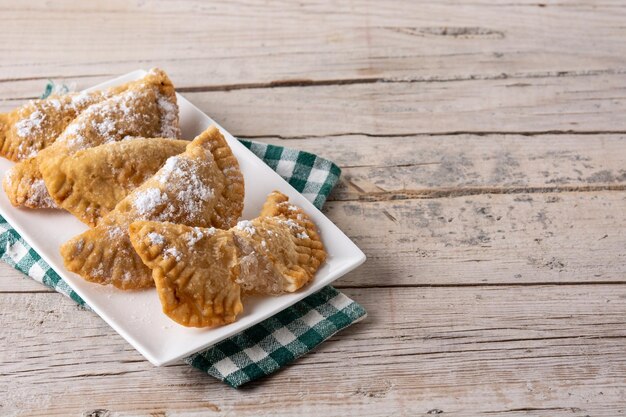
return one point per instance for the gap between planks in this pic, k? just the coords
(469, 191)
(291, 83)
(436, 134)
(371, 80)
(399, 286)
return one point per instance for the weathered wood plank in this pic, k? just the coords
(533, 105)
(487, 239)
(482, 239)
(12, 280)
(212, 45)
(541, 351)
(385, 168)
(594, 104)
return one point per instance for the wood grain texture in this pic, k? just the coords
(530, 105)
(553, 350)
(423, 166)
(487, 239)
(210, 44)
(569, 237)
(527, 105)
(483, 148)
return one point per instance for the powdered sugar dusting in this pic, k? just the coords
(115, 232)
(194, 236)
(110, 121)
(98, 271)
(169, 117)
(168, 168)
(246, 226)
(39, 197)
(290, 223)
(295, 227)
(105, 127)
(127, 276)
(183, 181)
(31, 125)
(231, 171)
(26, 151)
(289, 206)
(146, 201)
(182, 196)
(80, 100)
(172, 253)
(39, 120)
(96, 121)
(8, 177)
(194, 190)
(156, 238)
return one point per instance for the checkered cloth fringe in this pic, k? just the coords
(266, 347)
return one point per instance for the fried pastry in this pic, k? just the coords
(92, 181)
(200, 273)
(34, 126)
(22, 180)
(194, 270)
(201, 187)
(30, 128)
(145, 109)
(280, 250)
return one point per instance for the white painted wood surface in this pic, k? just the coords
(483, 146)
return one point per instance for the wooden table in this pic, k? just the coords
(483, 147)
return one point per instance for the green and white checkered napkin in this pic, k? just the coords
(266, 347)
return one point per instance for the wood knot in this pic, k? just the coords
(99, 412)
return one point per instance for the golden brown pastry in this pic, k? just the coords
(22, 180)
(147, 109)
(280, 250)
(201, 187)
(194, 270)
(34, 126)
(30, 128)
(92, 181)
(200, 273)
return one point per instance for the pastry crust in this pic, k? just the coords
(30, 128)
(24, 185)
(146, 108)
(92, 181)
(200, 273)
(34, 126)
(279, 251)
(200, 187)
(194, 270)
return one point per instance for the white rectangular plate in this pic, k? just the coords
(137, 315)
